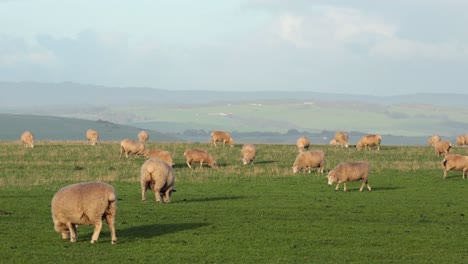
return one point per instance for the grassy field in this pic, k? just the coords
(238, 214)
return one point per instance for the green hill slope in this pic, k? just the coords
(59, 128)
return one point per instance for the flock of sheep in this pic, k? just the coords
(90, 202)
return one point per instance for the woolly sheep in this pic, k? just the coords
(369, 141)
(84, 203)
(455, 162)
(308, 160)
(350, 172)
(342, 138)
(248, 153)
(198, 155)
(160, 154)
(432, 140)
(92, 136)
(462, 140)
(143, 136)
(158, 176)
(130, 146)
(221, 136)
(303, 143)
(27, 139)
(442, 147)
(333, 142)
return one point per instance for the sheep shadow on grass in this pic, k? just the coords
(152, 230)
(211, 199)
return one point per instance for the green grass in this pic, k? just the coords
(238, 214)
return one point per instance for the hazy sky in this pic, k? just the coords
(380, 47)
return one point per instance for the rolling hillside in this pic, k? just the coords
(59, 128)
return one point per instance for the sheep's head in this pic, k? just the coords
(331, 177)
(231, 142)
(295, 169)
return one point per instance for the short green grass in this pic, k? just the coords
(259, 213)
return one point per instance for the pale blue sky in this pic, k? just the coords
(361, 46)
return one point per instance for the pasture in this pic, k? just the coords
(261, 213)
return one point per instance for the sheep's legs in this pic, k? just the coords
(97, 230)
(188, 163)
(143, 192)
(110, 222)
(72, 229)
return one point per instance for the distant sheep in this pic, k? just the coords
(248, 153)
(455, 162)
(158, 176)
(143, 136)
(369, 141)
(130, 146)
(442, 147)
(92, 136)
(221, 136)
(160, 154)
(198, 155)
(342, 138)
(303, 143)
(308, 160)
(27, 139)
(333, 142)
(462, 140)
(350, 172)
(84, 203)
(432, 140)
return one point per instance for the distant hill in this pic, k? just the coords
(59, 128)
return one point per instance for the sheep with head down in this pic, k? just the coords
(84, 203)
(201, 156)
(342, 138)
(442, 147)
(248, 153)
(158, 176)
(350, 172)
(462, 140)
(130, 146)
(92, 136)
(27, 139)
(432, 140)
(308, 160)
(221, 136)
(303, 143)
(369, 141)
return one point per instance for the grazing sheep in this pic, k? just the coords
(303, 143)
(143, 136)
(442, 147)
(308, 160)
(248, 153)
(158, 176)
(160, 154)
(342, 138)
(221, 136)
(432, 140)
(84, 203)
(333, 142)
(369, 141)
(198, 155)
(455, 162)
(462, 140)
(130, 146)
(27, 139)
(92, 136)
(350, 172)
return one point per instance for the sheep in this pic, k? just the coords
(27, 139)
(92, 136)
(303, 143)
(308, 160)
(198, 155)
(442, 147)
(160, 154)
(130, 146)
(84, 203)
(333, 142)
(455, 162)
(143, 136)
(248, 153)
(350, 171)
(158, 176)
(462, 140)
(221, 136)
(432, 140)
(369, 141)
(342, 138)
